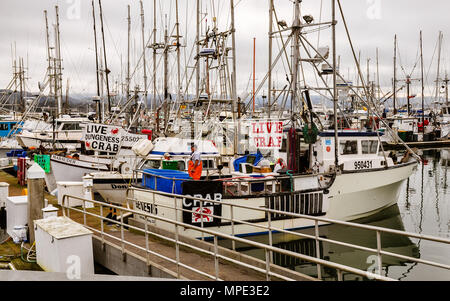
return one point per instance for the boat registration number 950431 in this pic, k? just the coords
(363, 164)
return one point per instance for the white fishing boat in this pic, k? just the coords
(113, 185)
(107, 149)
(368, 182)
(445, 122)
(65, 133)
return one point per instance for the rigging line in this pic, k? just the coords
(429, 68)
(417, 60)
(320, 21)
(111, 36)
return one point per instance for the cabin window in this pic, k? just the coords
(369, 147)
(181, 165)
(208, 164)
(349, 147)
(153, 164)
(71, 127)
(4, 127)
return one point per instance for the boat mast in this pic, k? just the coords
(97, 70)
(335, 98)
(197, 42)
(58, 69)
(144, 46)
(153, 102)
(234, 99)
(438, 66)
(49, 57)
(128, 54)
(296, 57)
(166, 76)
(178, 56)
(269, 94)
(104, 55)
(423, 86)
(395, 75)
(254, 73)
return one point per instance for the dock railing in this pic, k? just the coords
(269, 249)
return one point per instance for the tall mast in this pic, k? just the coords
(47, 38)
(128, 54)
(58, 69)
(104, 58)
(178, 56)
(233, 81)
(97, 69)
(197, 42)
(335, 98)
(153, 103)
(296, 57)
(378, 79)
(395, 75)
(269, 94)
(408, 84)
(438, 66)
(144, 47)
(423, 85)
(166, 77)
(254, 71)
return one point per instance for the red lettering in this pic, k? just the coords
(279, 127)
(269, 127)
(270, 142)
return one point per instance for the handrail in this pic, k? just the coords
(310, 217)
(268, 248)
(377, 230)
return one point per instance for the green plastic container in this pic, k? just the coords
(172, 165)
(43, 161)
(402, 135)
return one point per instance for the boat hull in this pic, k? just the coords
(352, 195)
(66, 169)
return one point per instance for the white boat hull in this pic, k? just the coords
(352, 196)
(70, 170)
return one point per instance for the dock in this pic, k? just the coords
(423, 144)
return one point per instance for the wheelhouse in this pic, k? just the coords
(356, 151)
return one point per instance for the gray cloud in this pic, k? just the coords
(372, 24)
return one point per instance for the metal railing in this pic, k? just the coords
(244, 185)
(269, 249)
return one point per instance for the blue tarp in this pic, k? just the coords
(162, 184)
(244, 159)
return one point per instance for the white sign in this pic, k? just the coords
(102, 137)
(128, 139)
(266, 134)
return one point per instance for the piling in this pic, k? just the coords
(36, 200)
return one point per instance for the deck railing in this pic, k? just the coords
(269, 249)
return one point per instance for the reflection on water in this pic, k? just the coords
(423, 207)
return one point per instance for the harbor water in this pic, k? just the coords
(423, 207)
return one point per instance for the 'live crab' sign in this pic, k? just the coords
(102, 137)
(266, 134)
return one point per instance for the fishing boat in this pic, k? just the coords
(103, 148)
(167, 153)
(369, 181)
(66, 132)
(337, 174)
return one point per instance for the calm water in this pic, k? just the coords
(423, 207)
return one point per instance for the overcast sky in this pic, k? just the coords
(372, 25)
